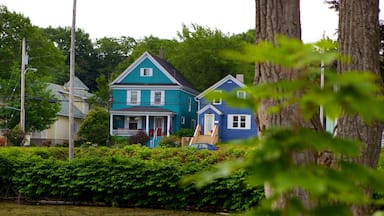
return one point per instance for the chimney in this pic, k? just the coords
(161, 53)
(240, 77)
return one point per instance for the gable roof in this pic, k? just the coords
(80, 89)
(210, 106)
(59, 92)
(167, 68)
(219, 83)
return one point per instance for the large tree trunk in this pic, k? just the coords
(359, 38)
(279, 17)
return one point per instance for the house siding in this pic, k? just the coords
(221, 119)
(176, 91)
(157, 77)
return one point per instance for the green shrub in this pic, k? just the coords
(15, 136)
(185, 132)
(139, 138)
(170, 141)
(134, 176)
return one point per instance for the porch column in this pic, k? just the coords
(111, 125)
(147, 124)
(168, 124)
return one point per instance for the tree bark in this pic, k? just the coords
(359, 39)
(279, 17)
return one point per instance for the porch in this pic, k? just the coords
(155, 122)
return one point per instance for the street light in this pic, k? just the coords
(22, 98)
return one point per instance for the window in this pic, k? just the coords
(182, 120)
(190, 104)
(193, 123)
(157, 98)
(239, 121)
(132, 123)
(217, 101)
(133, 97)
(146, 72)
(241, 94)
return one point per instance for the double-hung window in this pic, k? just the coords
(146, 72)
(241, 94)
(217, 101)
(133, 97)
(239, 121)
(157, 98)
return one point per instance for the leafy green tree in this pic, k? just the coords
(199, 56)
(331, 187)
(102, 96)
(111, 52)
(86, 60)
(43, 55)
(95, 126)
(151, 44)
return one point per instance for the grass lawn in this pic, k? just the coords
(14, 209)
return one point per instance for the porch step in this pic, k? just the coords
(203, 139)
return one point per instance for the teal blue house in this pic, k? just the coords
(152, 96)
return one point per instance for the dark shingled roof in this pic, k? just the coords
(173, 72)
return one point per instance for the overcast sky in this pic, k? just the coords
(164, 18)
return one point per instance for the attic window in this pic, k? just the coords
(241, 94)
(146, 72)
(217, 101)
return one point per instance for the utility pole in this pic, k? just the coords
(22, 88)
(71, 88)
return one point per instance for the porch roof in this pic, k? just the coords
(143, 110)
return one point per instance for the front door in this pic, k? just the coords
(158, 125)
(209, 123)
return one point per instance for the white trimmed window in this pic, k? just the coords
(146, 72)
(217, 101)
(189, 104)
(157, 97)
(239, 121)
(133, 97)
(241, 94)
(182, 120)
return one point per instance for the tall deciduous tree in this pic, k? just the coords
(86, 61)
(359, 39)
(273, 18)
(43, 55)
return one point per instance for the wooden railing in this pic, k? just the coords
(213, 138)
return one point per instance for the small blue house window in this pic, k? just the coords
(239, 121)
(146, 72)
(241, 94)
(217, 101)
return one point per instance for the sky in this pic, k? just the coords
(164, 18)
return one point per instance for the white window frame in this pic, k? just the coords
(241, 94)
(239, 121)
(153, 98)
(189, 104)
(217, 101)
(182, 120)
(129, 97)
(146, 72)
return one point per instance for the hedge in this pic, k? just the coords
(128, 177)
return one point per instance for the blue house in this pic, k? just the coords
(219, 122)
(152, 96)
